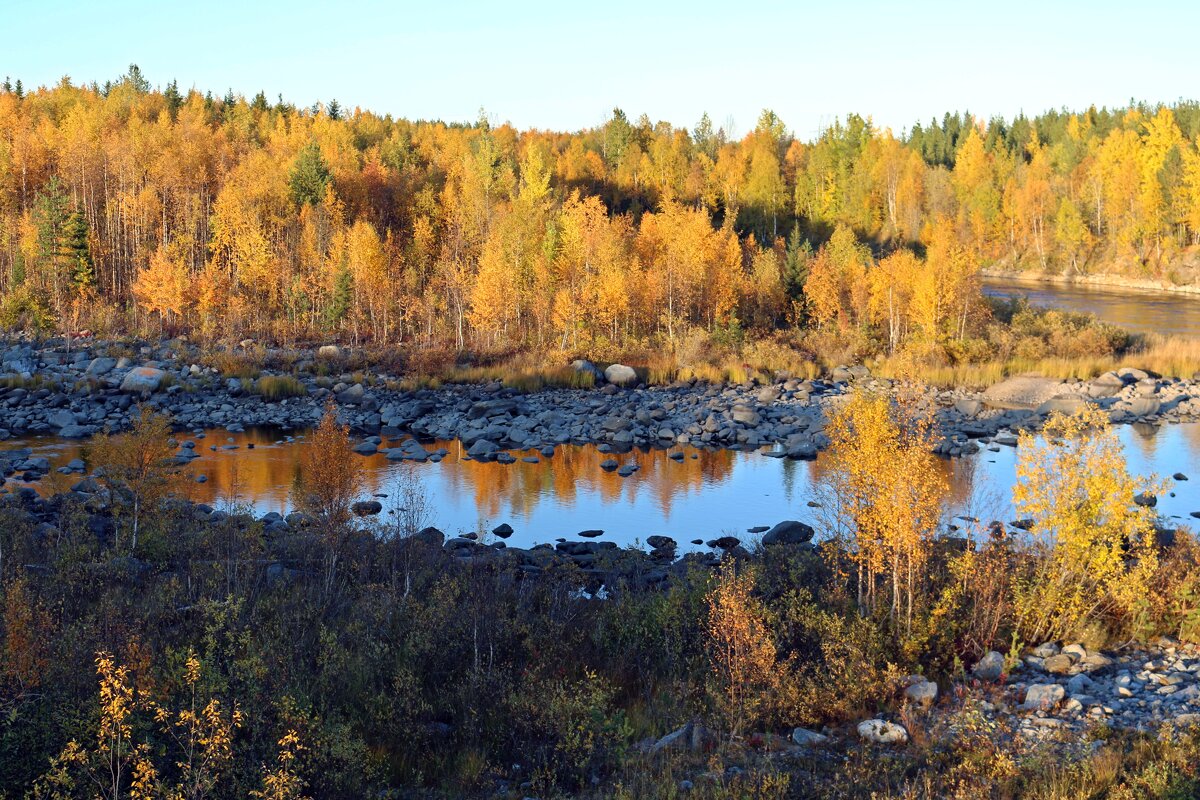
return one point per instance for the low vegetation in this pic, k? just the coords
(345, 658)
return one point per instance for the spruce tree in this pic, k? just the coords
(309, 176)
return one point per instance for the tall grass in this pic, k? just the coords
(278, 387)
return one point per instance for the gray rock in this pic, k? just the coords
(1043, 696)
(922, 693)
(504, 530)
(807, 738)
(789, 532)
(142, 379)
(990, 667)
(620, 375)
(366, 508)
(100, 366)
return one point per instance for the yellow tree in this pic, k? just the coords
(741, 649)
(330, 481)
(138, 467)
(886, 495)
(1094, 547)
(161, 288)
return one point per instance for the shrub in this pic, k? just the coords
(277, 387)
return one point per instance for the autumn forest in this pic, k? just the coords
(128, 208)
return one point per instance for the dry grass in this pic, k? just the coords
(1169, 356)
(277, 387)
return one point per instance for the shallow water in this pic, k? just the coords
(707, 494)
(1132, 309)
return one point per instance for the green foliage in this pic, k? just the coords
(309, 177)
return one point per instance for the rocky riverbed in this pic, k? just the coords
(77, 392)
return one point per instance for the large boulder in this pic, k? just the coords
(329, 351)
(367, 508)
(142, 379)
(1043, 696)
(1022, 392)
(620, 375)
(921, 693)
(990, 667)
(881, 731)
(788, 532)
(1063, 404)
(100, 366)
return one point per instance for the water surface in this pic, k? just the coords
(706, 494)
(1133, 309)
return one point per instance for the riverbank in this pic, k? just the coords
(1114, 283)
(49, 392)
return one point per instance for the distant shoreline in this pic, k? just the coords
(1107, 283)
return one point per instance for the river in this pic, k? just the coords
(1136, 310)
(706, 494)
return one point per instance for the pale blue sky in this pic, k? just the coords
(564, 65)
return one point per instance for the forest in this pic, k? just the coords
(126, 208)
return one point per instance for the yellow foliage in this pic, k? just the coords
(1094, 547)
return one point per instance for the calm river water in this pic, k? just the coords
(707, 494)
(1132, 309)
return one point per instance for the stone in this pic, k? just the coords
(968, 406)
(1145, 499)
(482, 448)
(100, 366)
(621, 375)
(990, 667)
(1063, 404)
(142, 379)
(921, 693)
(1046, 649)
(881, 731)
(1022, 392)
(503, 530)
(789, 532)
(807, 738)
(1060, 664)
(329, 352)
(1043, 696)
(591, 534)
(366, 508)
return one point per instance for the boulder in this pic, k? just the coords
(807, 738)
(1060, 664)
(968, 406)
(366, 508)
(921, 693)
(990, 667)
(329, 351)
(620, 375)
(100, 366)
(1043, 696)
(504, 530)
(1143, 406)
(789, 532)
(1063, 404)
(1022, 392)
(881, 731)
(142, 379)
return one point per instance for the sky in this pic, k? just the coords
(565, 65)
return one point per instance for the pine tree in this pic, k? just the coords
(309, 176)
(343, 297)
(78, 252)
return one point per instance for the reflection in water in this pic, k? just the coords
(1141, 311)
(705, 494)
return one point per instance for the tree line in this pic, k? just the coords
(125, 207)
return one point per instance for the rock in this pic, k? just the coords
(789, 532)
(1075, 651)
(585, 366)
(1060, 664)
(62, 418)
(746, 416)
(329, 352)
(1043, 696)
(621, 375)
(1046, 650)
(1022, 392)
(882, 732)
(591, 534)
(990, 667)
(142, 379)
(367, 508)
(1143, 406)
(1063, 404)
(430, 536)
(504, 530)
(968, 407)
(693, 737)
(482, 448)
(100, 366)
(807, 738)
(1080, 684)
(922, 693)
(1179, 476)
(1145, 499)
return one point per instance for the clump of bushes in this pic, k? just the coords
(278, 387)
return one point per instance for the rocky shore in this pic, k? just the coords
(46, 390)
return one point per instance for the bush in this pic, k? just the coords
(277, 387)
